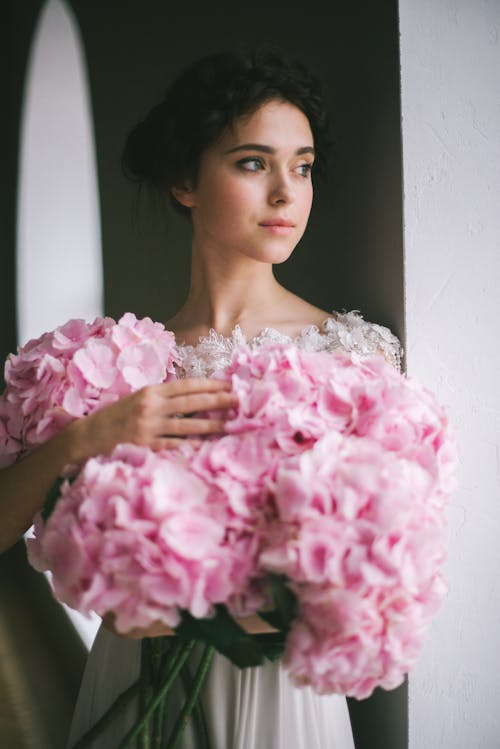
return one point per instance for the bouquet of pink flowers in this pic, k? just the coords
(75, 369)
(360, 463)
(322, 509)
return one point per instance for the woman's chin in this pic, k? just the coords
(275, 255)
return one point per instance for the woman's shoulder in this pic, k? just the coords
(349, 331)
(298, 314)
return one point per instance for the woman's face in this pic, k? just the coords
(254, 191)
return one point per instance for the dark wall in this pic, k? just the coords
(19, 20)
(351, 256)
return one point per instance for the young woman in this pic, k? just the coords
(234, 145)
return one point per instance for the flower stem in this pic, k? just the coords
(200, 725)
(199, 679)
(160, 655)
(145, 694)
(180, 653)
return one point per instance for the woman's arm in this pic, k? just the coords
(24, 485)
(254, 625)
(148, 417)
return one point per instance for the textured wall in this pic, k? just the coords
(450, 60)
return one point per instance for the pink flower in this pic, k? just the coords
(335, 472)
(95, 361)
(141, 527)
(76, 369)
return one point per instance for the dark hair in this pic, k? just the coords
(166, 147)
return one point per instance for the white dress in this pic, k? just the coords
(253, 708)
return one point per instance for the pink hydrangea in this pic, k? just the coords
(140, 534)
(361, 538)
(76, 369)
(335, 472)
(362, 465)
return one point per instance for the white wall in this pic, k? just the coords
(450, 60)
(59, 266)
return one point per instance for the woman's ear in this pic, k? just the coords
(184, 194)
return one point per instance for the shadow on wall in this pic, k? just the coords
(41, 656)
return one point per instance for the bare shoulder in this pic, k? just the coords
(301, 313)
(184, 329)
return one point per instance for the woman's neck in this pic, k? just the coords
(223, 294)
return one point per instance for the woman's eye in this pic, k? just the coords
(304, 169)
(251, 164)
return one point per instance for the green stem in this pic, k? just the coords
(156, 657)
(200, 725)
(146, 693)
(161, 656)
(180, 653)
(199, 679)
(121, 701)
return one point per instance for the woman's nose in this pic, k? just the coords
(281, 190)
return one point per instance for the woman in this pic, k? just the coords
(233, 144)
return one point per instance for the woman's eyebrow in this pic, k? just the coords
(266, 149)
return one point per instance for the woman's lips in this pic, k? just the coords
(281, 227)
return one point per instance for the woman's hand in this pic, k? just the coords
(157, 629)
(254, 625)
(150, 417)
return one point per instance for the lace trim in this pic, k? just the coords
(343, 330)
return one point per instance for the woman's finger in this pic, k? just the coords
(156, 629)
(178, 427)
(167, 443)
(191, 385)
(186, 404)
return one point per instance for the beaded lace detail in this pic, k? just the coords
(345, 331)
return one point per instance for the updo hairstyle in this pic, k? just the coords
(165, 149)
